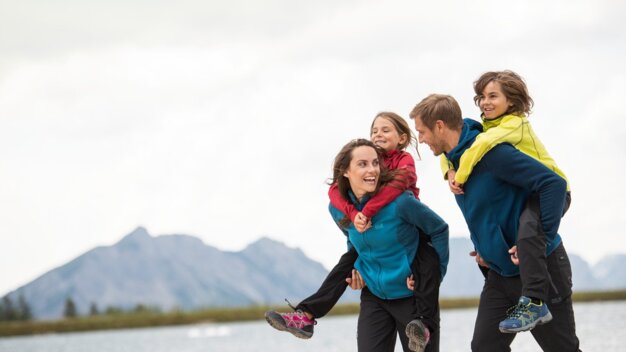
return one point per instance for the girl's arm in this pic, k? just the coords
(342, 204)
(417, 213)
(405, 178)
(509, 131)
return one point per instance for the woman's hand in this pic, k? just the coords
(356, 281)
(456, 188)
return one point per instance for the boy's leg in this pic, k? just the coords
(531, 251)
(560, 334)
(322, 301)
(376, 330)
(427, 276)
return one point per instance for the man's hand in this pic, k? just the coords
(479, 259)
(456, 188)
(362, 223)
(410, 283)
(356, 281)
(513, 253)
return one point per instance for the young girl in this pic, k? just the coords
(390, 132)
(505, 104)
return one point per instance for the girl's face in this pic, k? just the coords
(385, 135)
(493, 103)
(363, 171)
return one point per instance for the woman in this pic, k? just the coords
(387, 249)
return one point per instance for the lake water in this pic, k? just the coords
(600, 327)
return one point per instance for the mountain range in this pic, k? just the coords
(182, 272)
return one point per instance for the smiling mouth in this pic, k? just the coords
(370, 180)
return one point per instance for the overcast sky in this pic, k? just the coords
(221, 119)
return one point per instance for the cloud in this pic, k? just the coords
(221, 120)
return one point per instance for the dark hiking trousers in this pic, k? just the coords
(531, 249)
(427, 280)
(427, 276)
(381, 321)
(322, 301)
(499, 293)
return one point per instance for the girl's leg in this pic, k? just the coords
(425, 267)
(322, 301)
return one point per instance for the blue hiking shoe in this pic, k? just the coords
(525, 316)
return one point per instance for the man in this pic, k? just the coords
(494, 197)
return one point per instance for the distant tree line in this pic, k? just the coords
(70, 310)
(10, 311)
(21, 311)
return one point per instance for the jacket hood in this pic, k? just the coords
(471, 128)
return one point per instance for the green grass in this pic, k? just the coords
(150, 319)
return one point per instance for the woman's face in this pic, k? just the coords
(364, 171)
(493, 103)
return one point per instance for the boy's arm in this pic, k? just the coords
(417, 213)
(503, 133)
(342, 204)
(514, 167)
(404, 178)
(446, 165)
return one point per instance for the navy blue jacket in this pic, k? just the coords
(387, 249)
(496, 193)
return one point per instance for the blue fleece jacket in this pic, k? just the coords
(496, 193)
(387, 249)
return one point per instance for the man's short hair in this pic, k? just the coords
(438, 107)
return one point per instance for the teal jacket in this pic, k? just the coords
(387, 249)
(495, 195)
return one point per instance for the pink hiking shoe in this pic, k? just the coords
(296, 323)
(418, 335)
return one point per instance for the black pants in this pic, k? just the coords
(500, 293)
(531, 249)
(381, 320)
(427, 276)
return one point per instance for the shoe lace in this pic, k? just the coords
(516, 311)
(290, 305)
(298, 312)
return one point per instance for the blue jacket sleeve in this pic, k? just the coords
(337, 215)
(418, 214)
(510, 165)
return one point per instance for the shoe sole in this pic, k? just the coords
(417, 339)
(544, 320)
(278, 323)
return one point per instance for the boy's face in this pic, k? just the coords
(430, 137)
(493, 103)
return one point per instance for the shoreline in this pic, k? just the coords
(151, 319)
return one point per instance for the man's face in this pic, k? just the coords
(428, 136)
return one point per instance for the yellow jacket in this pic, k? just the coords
(513, 129)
